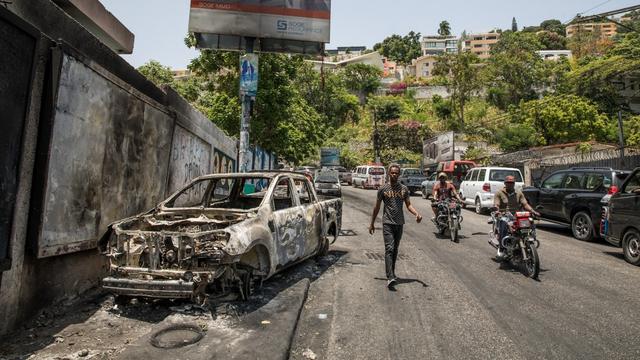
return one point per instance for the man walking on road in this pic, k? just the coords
(394, 195)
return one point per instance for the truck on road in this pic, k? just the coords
(220, 233)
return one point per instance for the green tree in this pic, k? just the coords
(559, 119)
(286, 123)
(463, 79)
(516, 137)
(513, 71)
(386, 108)
(596, 79)
(401, 49)
(553, 25)
(157, 73)
(551, 40)
(362, 79)
(444, 29)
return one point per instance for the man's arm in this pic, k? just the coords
(376, 210)
(455, 193)
(436, 187)
(526, 206)
(412, 210)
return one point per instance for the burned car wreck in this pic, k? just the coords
(221, 233)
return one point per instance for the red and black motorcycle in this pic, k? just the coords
(520, 243)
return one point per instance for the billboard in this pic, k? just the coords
(329, 157)
(295, 26)
(438, 148)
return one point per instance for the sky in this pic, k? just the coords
(160, 26)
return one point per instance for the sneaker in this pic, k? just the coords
(391, 284)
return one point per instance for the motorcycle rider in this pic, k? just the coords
(442, 190)
(508, 199)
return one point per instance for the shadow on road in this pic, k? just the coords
(311, 269)
(401, 281)
(618, 255)
(517, 269)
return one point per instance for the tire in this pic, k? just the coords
(453, 231)
(532, 266)
(478, 207)
(631, 247)
(582, 226)
(324, 248)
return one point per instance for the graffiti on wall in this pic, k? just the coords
(190, 158)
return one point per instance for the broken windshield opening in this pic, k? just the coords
(223, 193)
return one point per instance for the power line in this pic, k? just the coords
(595, 7)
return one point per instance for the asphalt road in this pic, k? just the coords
(455, 302)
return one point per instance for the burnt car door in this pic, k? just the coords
(312, 211)
(624, 207)
(549, 204)
(287, 222)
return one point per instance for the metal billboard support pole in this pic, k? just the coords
(245, 119)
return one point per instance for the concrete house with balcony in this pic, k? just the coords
(434, 45)
(480, 44)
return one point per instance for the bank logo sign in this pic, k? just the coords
(263, 19)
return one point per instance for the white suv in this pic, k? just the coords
(482, 183)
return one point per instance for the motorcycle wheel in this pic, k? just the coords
(532, 265)
(454, 231)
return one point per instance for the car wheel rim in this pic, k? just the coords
(633, 247)
(478, 208)
(582, 227)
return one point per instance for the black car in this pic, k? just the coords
(623, 218)
(573, 197)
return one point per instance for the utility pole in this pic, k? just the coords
(621, 138)
(247, 97)
(376, 138)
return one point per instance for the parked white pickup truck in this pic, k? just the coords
(219, 234)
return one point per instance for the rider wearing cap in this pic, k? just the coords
(442, 190)
(508, 199)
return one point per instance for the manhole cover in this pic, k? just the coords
(379, 256)
(176, 336)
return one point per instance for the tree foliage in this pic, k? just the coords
(385, 108)
(401, 49)
(362, 79)
(464, 80)
(554, 26)
(157, 73)
(444, 29)
(551, 40)
(596, 79)
(513, 71)
(559, 119)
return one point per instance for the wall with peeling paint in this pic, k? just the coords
(100, 143)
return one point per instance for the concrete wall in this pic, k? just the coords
(99, 143)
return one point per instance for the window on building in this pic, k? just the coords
(452, 43)
(477, 38)
(477, 45)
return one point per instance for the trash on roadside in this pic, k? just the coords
(308, 354)
(322, 316)
(265, 322)
(83, 353)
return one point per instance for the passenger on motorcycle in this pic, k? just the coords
(508, 199)
(442, 190)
